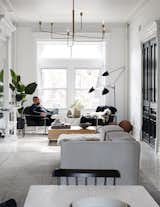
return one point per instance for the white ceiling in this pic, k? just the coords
(60, 10)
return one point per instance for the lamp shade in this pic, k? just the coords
(106, 73)
(91, 90)
(105, 91)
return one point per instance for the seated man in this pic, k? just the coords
(37, 109)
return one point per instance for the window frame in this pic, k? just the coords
(53, 89)
(85, 89)
(71, 65)
(70, 83)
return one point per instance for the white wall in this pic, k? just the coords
(25, 58)
(144, 16)
(26, 54)
(117, 51)
(2, 59)
(3, 53)
(5, 64)
(116, 56)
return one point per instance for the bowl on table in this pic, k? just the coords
(98, 202)
(85, 125)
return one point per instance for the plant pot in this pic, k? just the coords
(69, 113)
(76, 113)
(20, 123)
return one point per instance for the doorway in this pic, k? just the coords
(149, 52)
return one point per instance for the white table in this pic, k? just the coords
(62, 196)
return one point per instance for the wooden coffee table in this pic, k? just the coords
(53, 134)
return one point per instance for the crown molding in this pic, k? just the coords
(150, 31)
(6, 6)
(136, 9)
(6, 28)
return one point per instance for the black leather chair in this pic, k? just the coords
(35, 120)
(100, 122)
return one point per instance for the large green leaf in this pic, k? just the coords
(20, 110)
(20, 88)
(13, 75)
(1, 75)
(1, 88)
(12, 87)
(30, 88)
(23, 101)
(18, 78)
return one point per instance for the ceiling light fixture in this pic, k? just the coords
(73, 35)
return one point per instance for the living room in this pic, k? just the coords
(79, 90)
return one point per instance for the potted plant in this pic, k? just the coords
(20, 91)
(76, 109)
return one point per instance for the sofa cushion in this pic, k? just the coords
(118, 135)
(112, 128)
(104, 130)
(78, 137)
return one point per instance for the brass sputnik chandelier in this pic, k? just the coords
(72, 35)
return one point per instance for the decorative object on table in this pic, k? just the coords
(62, 126)
(57, 124)
(19, 95)
(72, 36)
(75, 109)
(98, 202)
(85, 125)
(69, 113)
(105, 89)
(76, 113)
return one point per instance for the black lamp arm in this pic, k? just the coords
(121, 68)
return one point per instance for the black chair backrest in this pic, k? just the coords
(83, 173)
(9, 203)
(27, 110)
(102, 108)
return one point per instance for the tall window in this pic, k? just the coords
(66, 75)
(85, 78)
(54, 87)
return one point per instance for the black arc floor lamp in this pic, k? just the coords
(112, 86)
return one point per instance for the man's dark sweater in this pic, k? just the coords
(37, 109)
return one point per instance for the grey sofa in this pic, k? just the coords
(122, 154)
